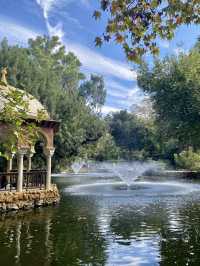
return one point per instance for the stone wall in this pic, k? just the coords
(28, 199)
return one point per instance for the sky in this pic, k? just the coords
(72, 21)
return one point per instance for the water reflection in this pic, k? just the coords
(60, 236)
(110, 231)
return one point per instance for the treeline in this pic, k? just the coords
(173, 85)
(46, 71)
(170, 131)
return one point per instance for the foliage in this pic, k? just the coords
(106, 149)
(174, 87)
(188, 159)
(125, 128)
(137, 24)
(94, 92)
(134, 137)
(13, 116)
(80, 128)
(46, 71)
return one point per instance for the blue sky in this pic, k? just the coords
(72, 21)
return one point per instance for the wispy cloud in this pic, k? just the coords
(164, 44)
(118, 86)
(116, 89)
(101, 64)
(108, 109)
(72, 20)
(46, 6)
(180, 50)
(15, 32)
(131, 94)
(91, 60)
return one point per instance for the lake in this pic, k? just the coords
(101, 221)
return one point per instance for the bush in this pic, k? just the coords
(188, 159)
(106, 149)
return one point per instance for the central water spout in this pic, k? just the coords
(77, 165)
(130, 172)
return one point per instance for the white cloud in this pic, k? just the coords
(91, 60)
(56, 30)
(164, 44)
(129, 94)
(108, 109)
(114, 93)
(117, 86)
(135, 93)
(15, 32)
(101, 64)
(179, 50)
(46, 6)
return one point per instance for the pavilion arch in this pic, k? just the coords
(47, 129)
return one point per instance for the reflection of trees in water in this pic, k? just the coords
(70, 234)
(79, 241)
(181, 245)
(177, 226)
(67, 235)
(22, 238)
(138, 221)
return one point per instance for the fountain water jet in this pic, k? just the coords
(77, 165)
(129, 173)
(129, 185)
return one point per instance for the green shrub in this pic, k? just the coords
(106, 149)
(188, 159)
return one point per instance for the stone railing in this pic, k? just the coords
(32, 179)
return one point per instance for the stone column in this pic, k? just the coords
(9, 168)
(10, 162)
(21, 154)
(49, 152)
(30, 155)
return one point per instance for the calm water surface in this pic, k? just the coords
(106, 224)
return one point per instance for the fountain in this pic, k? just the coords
(77, 165)
(105, 181)
(130, 172)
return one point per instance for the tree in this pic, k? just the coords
(137, 24)
(80, 128)
(131, 134)
(46, 71)
(106, 148)
(14, 116)
(94, 92)
(174, 87)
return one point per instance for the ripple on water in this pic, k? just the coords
(137, 189)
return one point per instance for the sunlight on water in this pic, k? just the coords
(102, 222)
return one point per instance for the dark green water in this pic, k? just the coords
(105, 228)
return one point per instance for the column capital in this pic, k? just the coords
(49, 151)
(22, 151)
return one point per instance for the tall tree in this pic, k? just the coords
(94, 92)
(53, 76)
(174, 87)
(130, 133)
